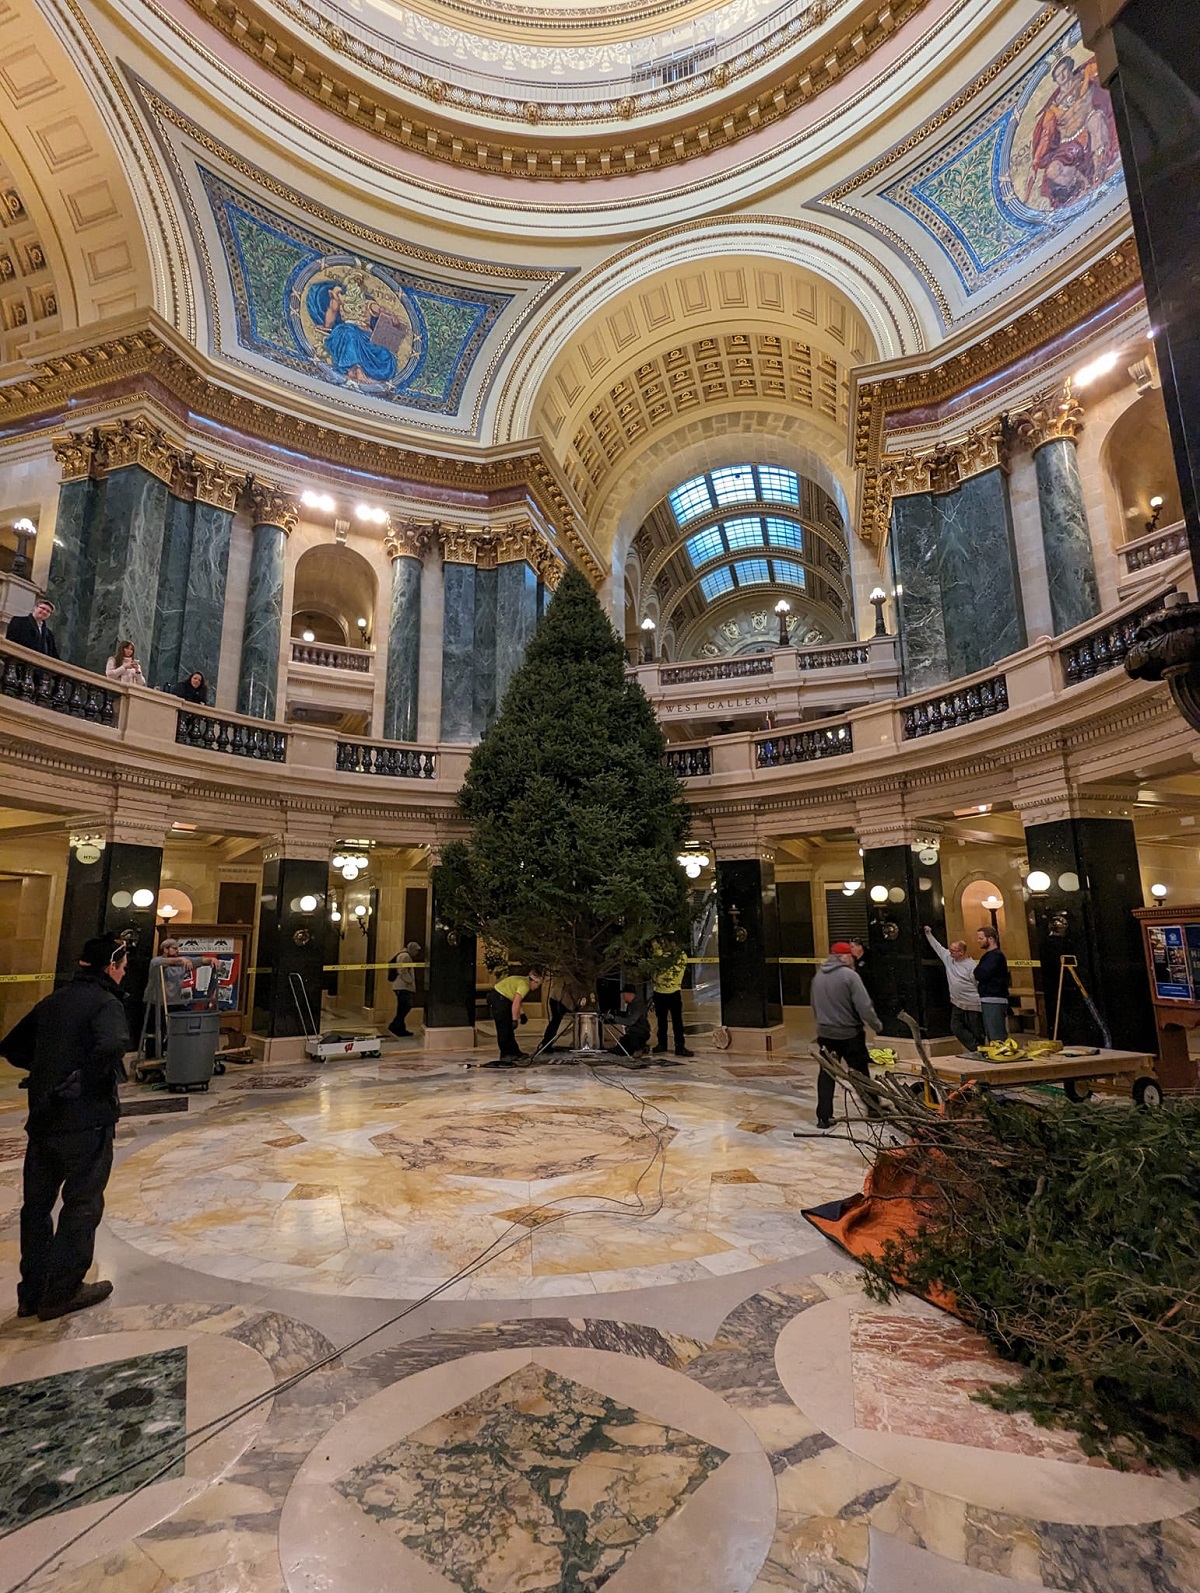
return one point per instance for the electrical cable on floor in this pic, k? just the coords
(199, 1436)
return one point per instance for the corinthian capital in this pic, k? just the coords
(74, 453)
(411, 539)
(138, 442)
(272, 506)
(1052, 415)
(214, 483)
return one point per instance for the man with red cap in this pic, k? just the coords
(842, 1010)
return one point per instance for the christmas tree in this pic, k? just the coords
(576, 821)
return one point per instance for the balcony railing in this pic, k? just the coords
(1105, 647)
(1156, 548)
(688, 762)
(397, 763)
(355, 659)
(834, 657)
(238, 737)
(726, 669)
(979, 700)
(804, 746)
(63, 690)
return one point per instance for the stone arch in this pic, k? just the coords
(338, 582)
(1139, 464)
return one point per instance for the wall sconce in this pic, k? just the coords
(362, 916)
(361, 622)
(1158, 892)
(23, 529)
(87, 848)
(308, 636)
(783, 608)
(1156, 508)
(648, 629)
(302, 904)
(168, 912)
(879, 894)
(879, 598)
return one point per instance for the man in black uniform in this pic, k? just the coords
(71, 1045)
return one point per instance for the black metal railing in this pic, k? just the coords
(953, 708)
(804, 746)
(1106, 647)
(397, 763)
(1167, 545)
(212, 734)
(687, 762)
(46, 687)
(730, 669)
(833, 657)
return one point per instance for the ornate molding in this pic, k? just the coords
(463, 546)
(525, 544)
(138, 441)
(535, 141)
(412, 539)
(1052, 416)
(74, 453)
(270, 505)
(214, 483)
(939, 469)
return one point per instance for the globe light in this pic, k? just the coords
(143, 898)
(1038, 880)
(121, 899)
(879, 893)
(308, 904)
(167, 911)
(335, 916)
(339, 860)
(1158, 891)
(350, 870)
(308, 636)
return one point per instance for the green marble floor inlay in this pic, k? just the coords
(537, 1485)
(60, 1434)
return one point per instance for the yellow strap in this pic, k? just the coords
(16, 979)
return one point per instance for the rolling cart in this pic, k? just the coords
(320, 1047)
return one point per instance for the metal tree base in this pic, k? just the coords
(1167, 647)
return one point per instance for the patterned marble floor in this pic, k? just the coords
(664, 1382)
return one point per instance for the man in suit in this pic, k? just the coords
(32, 630)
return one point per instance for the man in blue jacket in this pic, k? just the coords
(72, 1045)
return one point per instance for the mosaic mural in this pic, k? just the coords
(354, 322)
(1033, 163)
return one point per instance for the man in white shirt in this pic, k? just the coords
(966, 1011)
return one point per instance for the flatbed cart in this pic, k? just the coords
(1076, 1068)
(320, 1047)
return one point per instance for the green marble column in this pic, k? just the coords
(458, 643)
(69, 583)
(1070, 564)
(262, 633)
(204, 607)
(127, 535)
(516, 619)
(403, 687)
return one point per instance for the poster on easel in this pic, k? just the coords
(224, 958)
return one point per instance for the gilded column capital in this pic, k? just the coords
(75, 453)
(272, 506)
(1052, 415)
(214, 483)
(524, 543)
(137, 442)
(983, 448)
(463, 546)
(411, 539)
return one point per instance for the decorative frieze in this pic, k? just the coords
(1051, 416)
(508, 545)
(272, 506)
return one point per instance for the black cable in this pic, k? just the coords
(199, 1436)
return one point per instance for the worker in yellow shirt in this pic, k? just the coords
(668, 1002)
(504, 1004)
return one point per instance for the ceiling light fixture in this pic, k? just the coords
(1095, 369)
(317, 500)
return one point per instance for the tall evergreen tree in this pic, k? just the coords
(576, 821)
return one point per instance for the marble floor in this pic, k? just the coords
(409, 1326)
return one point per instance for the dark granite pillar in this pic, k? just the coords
(69, 583)
(1088, 911)
(127, 535)
(262, 633)
(458, 642)
(955, 572)
(204, 606)
(1070, 565)
(796, 939)
(1156, 97)
(450, 1001)
(748, 945)
(902, 972)
(404, 651)
(164, 662)
(483, 653)
(291, 940)
(516, 619)
(99, 899)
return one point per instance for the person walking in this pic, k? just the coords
(72, 1045)
(504, 1003)
(842, 1010)
(966, 1018)
(403, 981)
(994, 984)
(33, 631)
(668, 1003)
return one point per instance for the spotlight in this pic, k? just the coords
(317, 500)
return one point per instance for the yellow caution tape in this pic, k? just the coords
(16, 979)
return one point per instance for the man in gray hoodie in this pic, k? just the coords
(842, 1008)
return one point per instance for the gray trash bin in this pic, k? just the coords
(192, 1041)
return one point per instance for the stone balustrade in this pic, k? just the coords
(1155, 548)
(389, 759)
(1104, 646)
(958, 705)
(46, 683)
(358, 660)
(804, 746)
(238, 736)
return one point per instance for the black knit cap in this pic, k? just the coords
(98, 952)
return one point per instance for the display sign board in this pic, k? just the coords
(1170, 960)
(225, 954)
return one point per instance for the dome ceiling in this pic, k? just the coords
(553, 93)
